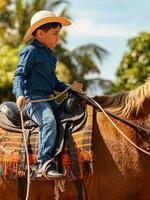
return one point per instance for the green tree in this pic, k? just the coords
(15, 17)
(8, 58)
(135, 65)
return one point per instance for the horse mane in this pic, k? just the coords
(126, 103)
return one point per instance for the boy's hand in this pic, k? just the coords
(20, 102)
(77, 86)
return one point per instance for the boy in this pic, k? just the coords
(35, 78)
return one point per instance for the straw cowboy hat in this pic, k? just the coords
(40, 18)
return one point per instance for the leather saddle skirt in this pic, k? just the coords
(10, 117)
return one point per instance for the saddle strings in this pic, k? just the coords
(27, 155)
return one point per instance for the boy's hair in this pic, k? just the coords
(47, 26)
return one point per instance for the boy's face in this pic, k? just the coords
(49, 38)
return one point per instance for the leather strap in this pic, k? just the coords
(22, 187)
(80, 189)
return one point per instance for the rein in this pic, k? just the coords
(106, 113)
(128, 122)
(51, 98)
(132, 124)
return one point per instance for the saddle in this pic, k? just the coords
(69, 111)
(72, 120)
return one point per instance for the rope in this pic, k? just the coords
(121, 132)
(132, 124)
(25, 141)
(27, 156)
(52, 98)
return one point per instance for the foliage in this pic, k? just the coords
(8, 59)
(135, 65)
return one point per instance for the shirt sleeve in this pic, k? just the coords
(59, 86)
(26, 61)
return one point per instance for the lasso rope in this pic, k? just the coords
(25, 139)
(100, 107)
(27, 156)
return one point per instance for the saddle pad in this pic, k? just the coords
(10, 150)
(83, 137)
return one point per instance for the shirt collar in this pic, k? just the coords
(40, 44)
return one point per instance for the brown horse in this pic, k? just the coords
(121, 172)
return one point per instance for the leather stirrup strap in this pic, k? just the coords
(80, 189)
(22, 187)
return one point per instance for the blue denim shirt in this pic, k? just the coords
(35, 76)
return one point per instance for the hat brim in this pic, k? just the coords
(28, 35)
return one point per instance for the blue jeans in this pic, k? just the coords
(42, 114)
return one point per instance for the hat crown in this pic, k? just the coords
(41, 15)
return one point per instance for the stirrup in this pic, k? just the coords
(51, 175)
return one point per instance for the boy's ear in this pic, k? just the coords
(39, 33)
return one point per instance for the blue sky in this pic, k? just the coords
(110, 24)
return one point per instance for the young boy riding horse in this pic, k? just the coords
(35, 78)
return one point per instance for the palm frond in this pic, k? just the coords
(64, 12)
(92, 49)
(19, 8)
(38, 4)
(55, 3)
(89, 57)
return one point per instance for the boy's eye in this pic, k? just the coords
(56, 33)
